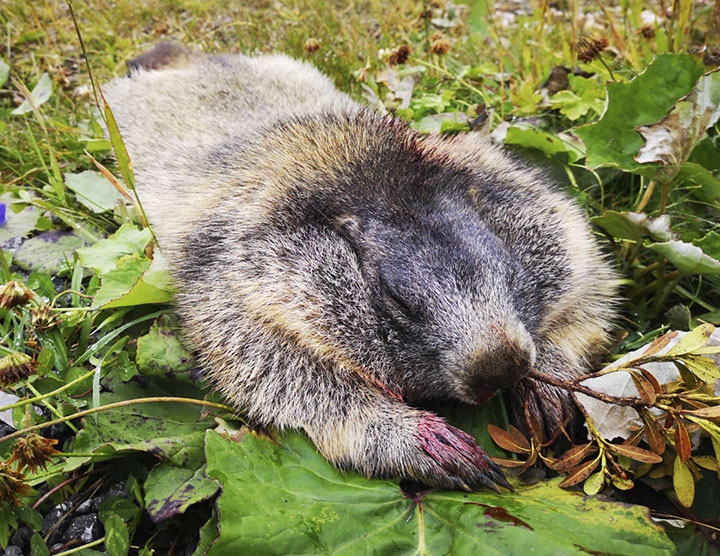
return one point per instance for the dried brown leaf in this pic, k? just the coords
(573, 457)
(512, 440)
(682, 441)
(635, 453)
(711, 413)
(580, 473)
(653, 434)
(645, 388)
(659, 343)
(505, 462)
(652, 380)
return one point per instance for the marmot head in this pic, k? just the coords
(371, 254)
(443, 289)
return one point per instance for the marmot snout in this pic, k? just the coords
(334, 267)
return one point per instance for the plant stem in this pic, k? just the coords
(63, 484)
(49, 394)
(79, 548)
(646, 196)
(158, 399)
(50, 406)
(572, 386)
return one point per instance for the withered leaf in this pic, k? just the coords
(580, 473)
(645, 388)
(711, 413)
(706, 462)
(682, 441)
(505, 462)
(651, 378)
(659, 343)
(635, 453)
(702, 367)
(573, 457)
(622, 483)
(512, 440)
(653, 434)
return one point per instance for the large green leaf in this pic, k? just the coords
(160, 351)
(153, 286)
(104, 255)
(286, 499)
(671, 140)
(93, 190)
(687, 258)
(119, 281)
(171, 489)
(18, 224)
(129, 277)
(171, 431)
(613, 140)
(710, 244)
(40, 94)
(535, 138)
(48, 251)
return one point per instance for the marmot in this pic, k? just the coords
(334, 266)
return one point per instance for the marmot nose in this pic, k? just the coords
(504, 363)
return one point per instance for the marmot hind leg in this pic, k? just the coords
(165, 54)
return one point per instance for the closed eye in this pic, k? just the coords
(399, 304)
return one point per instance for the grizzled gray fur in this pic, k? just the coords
(335, 269)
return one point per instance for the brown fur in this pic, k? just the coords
(335, 269)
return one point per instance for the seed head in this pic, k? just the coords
(648, 31)
(42, 319)
(33, 451)
(12, 485)
(14, 293)
(590, 48)
(440, 46)
(400, 55)
(15, 367)
(312, 45)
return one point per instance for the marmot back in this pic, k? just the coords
(334, 267)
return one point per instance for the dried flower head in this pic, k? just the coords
(590, 48)
(399, 55)
(312, 45)
(12, 485)
(43, 318)
(13, 294)
(648, 31)
(440, 47)
(33, 451)
(15, 367)
(436, 36)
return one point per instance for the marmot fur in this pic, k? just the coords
(334, 267)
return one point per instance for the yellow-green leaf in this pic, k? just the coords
(594, 483)
(683, 483)
(691, 341)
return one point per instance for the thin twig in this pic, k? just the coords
(158, 399)
(573, 386)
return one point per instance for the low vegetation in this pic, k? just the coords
(111, 442)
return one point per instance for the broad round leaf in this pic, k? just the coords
(286, 499)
